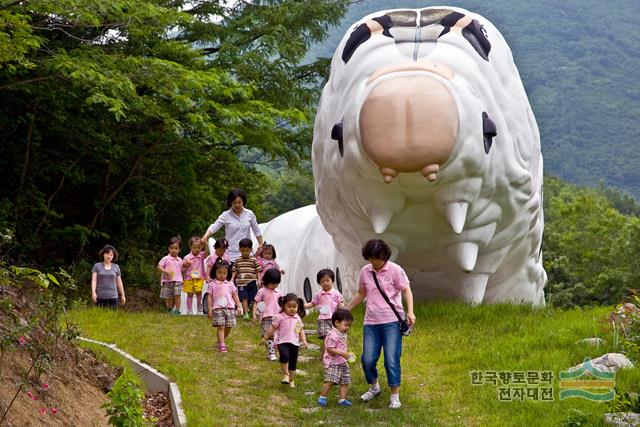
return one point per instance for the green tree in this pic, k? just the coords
(128, 121)
(591, 250)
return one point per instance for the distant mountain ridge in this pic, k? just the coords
(579, 64)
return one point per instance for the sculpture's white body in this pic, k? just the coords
(472, 230)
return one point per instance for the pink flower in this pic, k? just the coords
(45, 386)
(31, 396)
(42, 410)
(54, 410)
(22, 340)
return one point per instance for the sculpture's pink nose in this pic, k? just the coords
(409, 124)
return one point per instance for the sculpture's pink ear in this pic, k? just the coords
(409, 124)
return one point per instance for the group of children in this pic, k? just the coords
(230, 288)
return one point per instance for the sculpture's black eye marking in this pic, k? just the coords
(489, 131)
(336, 133)
(362, 33)
(477, 36)
(338, 280)
(474, 33)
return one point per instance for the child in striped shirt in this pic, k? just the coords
(245, 275)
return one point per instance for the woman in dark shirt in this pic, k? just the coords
(106, 280)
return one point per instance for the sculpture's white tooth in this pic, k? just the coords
(465, 254)
(456, 214)
(380, 218)
(472, 288)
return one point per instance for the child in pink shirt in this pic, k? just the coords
(193, 270)
(266, 304)
(336, 356)
(223, 303)
(219, 252)
(219, 248)
(290, 335)
(266, 256)
(171, 281)
(327, 301)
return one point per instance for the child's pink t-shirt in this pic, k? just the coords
(392, 280)
(267, 264)
(222, 294)
(287, 328)
(172, 264)
(270, 299)
(338, 340)
(327, 302)
(196, 270)
(211, 259)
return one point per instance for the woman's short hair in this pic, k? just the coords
(109, 248)
(234, 194)
(376, 248)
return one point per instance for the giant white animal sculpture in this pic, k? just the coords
(424, 137)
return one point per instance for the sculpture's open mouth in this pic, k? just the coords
(409, 120)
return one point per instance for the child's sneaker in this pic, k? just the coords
(395, 404)
(322, 401)
(246, 316)
(175, 311)
(370, 394)
(222, 349)
(272, 357)
(292, 384)
(345, 402)
(285, 379)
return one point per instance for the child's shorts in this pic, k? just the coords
(337, 374)
(193, 286)
(265, 324)
(248, 291)
(224, 317)
(324, 327)
(170, 289)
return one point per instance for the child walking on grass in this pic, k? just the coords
(327, 301)
(245, 276)
(335, 358)
(266, 305)
(290, 335)
(223, 303)
(171, 280)
(219, 248)
(193, 269)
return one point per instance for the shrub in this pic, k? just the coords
(125, 408)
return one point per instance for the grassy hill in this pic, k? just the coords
(577, 61)
(451, 341)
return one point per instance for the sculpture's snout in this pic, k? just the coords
(409, 124)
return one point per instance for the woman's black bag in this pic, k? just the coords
(405, 328)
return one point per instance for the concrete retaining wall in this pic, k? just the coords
(154, 380)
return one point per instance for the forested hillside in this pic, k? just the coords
(579, 65)
(128, 125)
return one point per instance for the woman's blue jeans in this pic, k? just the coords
(375, 338)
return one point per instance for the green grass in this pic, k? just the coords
(451, 340)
